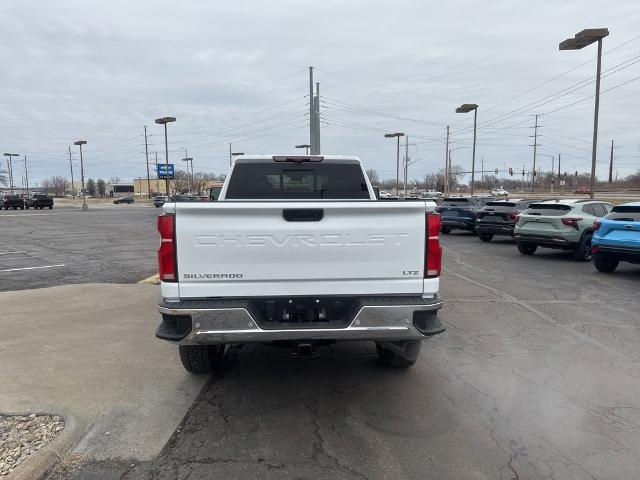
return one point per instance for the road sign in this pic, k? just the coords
(166, 171)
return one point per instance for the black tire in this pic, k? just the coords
(527, 248)
(201, 358)
(50, 207)
(27, 207)
(485, 237)
(446, 230)
(604, 263)
(583, 252)
(392, 359)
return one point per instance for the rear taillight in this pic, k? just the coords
(572, 221)
(596, 225)
(167, 250)
(515, 215)
(433, 250)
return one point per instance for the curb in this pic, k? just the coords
(41, 462)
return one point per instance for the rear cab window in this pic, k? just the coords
(625, 213)
(297, 181)
(548, 209)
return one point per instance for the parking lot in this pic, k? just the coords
(106, 244)
(536, 376)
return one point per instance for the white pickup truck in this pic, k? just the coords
(298, 249)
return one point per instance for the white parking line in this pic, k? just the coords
(31, 268)
(28, 214)
(10, 253)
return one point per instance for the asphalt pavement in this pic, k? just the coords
(536, 377)
(106, 244)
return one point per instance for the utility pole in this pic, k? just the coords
(482, 176)
(446, 165)
(535, 150)
(406, 163)
(230, 156)
(73, 185)
(316, 108)
(552, 169)
(312, 116)
(559, 177)
(611, 164)
(146, 154)
(84, 199)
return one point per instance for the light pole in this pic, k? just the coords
(189, 159)
(164, 121)
(10, 168)
(466, 108)
(581, 40)
(84, 199)
(304, 145)
(553, 163)
(397, 135)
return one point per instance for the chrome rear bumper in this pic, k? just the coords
(392, 319)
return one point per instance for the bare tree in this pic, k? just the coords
(102, 187)
(91, 187)
(374, 178)
(4, 178)
(114, 180)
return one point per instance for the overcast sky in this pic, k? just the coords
(238, 71)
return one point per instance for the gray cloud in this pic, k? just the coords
(102, 70)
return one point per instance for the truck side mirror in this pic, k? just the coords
(376, 191)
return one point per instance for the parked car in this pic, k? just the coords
(126, 199)
(499, 217)
(296, 252)
(160, 200)
(560, 224)
(459, 213)
(13, 201)
(499, 192)
(616, 237)
(39, 201)
(431, 194)
(385, 194)
(583, 191)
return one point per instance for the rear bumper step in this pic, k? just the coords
(222, 322)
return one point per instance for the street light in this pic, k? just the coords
(10, 168)
(304, 145)
(84, 199)
(189, 159)
(164, 121)
(553, 158)
(581, 40)
(466, 108)
(397, 136)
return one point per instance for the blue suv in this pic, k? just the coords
(616, 237)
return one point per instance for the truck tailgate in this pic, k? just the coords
(249, 249)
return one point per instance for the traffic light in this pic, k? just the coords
(576, 174)
(565, 174)
(511, 171)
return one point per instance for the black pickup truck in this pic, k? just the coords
(13, 201)
(40, 201)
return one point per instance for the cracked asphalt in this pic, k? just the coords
(537, 377)
(106, 244)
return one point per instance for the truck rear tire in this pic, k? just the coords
(392, 359)
(201, 358)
